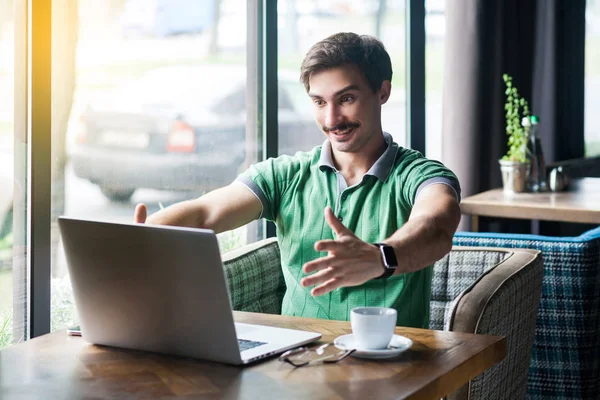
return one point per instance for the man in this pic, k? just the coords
(371, 191)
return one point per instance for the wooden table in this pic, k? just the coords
(581, 203)
(58, 366)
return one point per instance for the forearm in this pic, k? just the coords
(427, 235)
(220, 210)
(421, 242)
(186, 213)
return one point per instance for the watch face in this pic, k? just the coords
(389, 257)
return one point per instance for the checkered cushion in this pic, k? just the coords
(254, 277)
(453, 274)
(566, 352)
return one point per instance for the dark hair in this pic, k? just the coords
(364, 51)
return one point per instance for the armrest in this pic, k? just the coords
(502, 301)
(516, 280)
(254, 277)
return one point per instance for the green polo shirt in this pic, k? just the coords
(294, 190)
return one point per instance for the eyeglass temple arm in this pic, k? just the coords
(346, 354)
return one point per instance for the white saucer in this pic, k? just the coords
(397, 345)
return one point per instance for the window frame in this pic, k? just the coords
(39, 105)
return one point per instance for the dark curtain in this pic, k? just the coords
(558, 80)
(541, 45)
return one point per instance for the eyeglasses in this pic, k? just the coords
(325, 353)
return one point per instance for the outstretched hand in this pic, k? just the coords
(349, 260)
(140, 214)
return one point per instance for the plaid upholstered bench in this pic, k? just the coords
(565, 360)
(477, 290)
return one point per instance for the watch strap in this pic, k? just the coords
(386, 273)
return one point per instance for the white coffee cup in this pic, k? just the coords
(373, 327)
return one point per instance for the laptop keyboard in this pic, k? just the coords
(249, 344)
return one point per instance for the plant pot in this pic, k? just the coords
(514, 176)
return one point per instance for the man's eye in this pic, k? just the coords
(346, 98)
(318, 102)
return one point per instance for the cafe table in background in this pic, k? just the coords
(579, 204)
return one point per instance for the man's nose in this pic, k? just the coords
(333, 116)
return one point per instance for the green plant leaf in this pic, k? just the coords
(516, 108)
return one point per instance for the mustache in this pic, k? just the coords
(341, 127)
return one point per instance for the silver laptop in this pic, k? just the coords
(161, 289)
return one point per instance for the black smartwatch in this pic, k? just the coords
(389, 260)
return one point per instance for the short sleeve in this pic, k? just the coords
(269, 180)
(414, 170)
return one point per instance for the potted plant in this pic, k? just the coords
(515, 164)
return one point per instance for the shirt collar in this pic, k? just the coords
(382, 167)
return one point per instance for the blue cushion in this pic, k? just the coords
(565, 361)
(584, 237)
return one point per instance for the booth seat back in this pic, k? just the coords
(254, 277)
(476, 290)
(565, 360)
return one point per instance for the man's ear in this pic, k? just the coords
(385, 91)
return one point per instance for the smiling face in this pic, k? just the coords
(347, 110)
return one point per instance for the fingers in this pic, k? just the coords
(318, 277)
(327, 279)
(140, 213)
(320, 264)
(348, 262)
(327, 287)
(335, 224)
(329, 245)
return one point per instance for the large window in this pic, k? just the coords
(148, 106)
(153, 102)
(13, 196)
(303, 23)
(592, 78)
